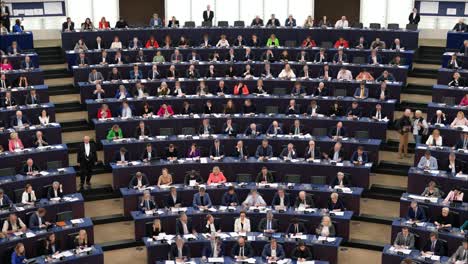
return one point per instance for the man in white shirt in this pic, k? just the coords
(86, 158)
(342, 23)
(344, 74)
(254, 199)
(13, 224)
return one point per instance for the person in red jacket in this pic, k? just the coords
(165, 111)
(103, 24)
(308, 43)
(152, 43)
(104, 112)
(341, 43)
(241, 89)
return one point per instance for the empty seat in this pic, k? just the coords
(64, 216)
(223, 24)
(239, 23)
(411, 27)
(71, 240)
(340, 92)
(189, 24)
(7, 172)
(243, 177)
(393, 26)
(207, 24)
(188, 131)
(320, 180)
(362, 134)
(166, 131)
(326, 44)
(292, 178)
(319, 131)
(18, 195)
(53, 165)
(271, 109)
(448, 100)
(279, 91)
(149, 229)
(358, 25)
(374, 25)
(359, 60)
(45, 189)
(290, 43)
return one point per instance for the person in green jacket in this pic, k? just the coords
(273, 41)
(159, 58)
(114, 133)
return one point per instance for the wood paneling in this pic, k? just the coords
(139, 12)
(334, 9)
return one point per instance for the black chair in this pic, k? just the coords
(223, 24)
(6, 258)
(290, 43)
(189, 24)
(45, 190)
(319, 180)
(358, 25)
(188, 131)
(149, 229)
(40, 245)
(64, 216)
(270, 109)
(374, 25)
(326, 44)
(7, 172)
(393, 26)
(166, 131)
(18, 195)
(319, 131)
(279, 91)
(445, 246)
(207, 24)
(27, 216)
(340, 92)
(456, 218)
(71, 240)
(239, 23)
(412, 27)
(416, 241)
(359, 60)
(53, 165)
(292, 178)
(448, 100)
(243, 177)
(361, 134)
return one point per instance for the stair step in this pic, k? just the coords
(392, 168)
(387, 193)
(74, 106)
(120, 244)
(98, 192)
(376, 219)
(364, 244)
(75, 125)
(62, 89)
(109, 219)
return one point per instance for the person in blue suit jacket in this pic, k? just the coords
(27, 64)
(360, 156)
(416, 213)
(135, 74)
(155, 21)
(281, 195)
(122, 93)
(18, 27)
(4, 199)
(37, 219)
(14, 48)
(201, 200)
(361, 92)
(268, 248)
(214, 249)
(18, 255)
(434, 245)
(374, 57)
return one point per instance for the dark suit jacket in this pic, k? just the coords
(34, 221)
(91, 159)
(292, 228)
(170, 202)
(213, 151)
(205, 229)
(338, 205)
(117, 156)
(29, 99)
(78, 60)
(6, 199)
(341, 154)
(439, 249)
(51, 194)
(14, 121)
(201, 129)
(143, 205)
(344, 58)
(335, 181)
(262, 225)
(365, 158)
(343, 132)
(276, 200)
(208, 16)
(175, 251)
(134, 181)
(24, 171)
(65, 26)
(420, 214)
(317, 57)
(248, 250)
(175, 23)
(271, 22)
(308, 199)
(180, 229)
(260, 178)
(146, 132)
(144, 155)
(257, 23)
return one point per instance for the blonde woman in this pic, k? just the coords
(81, 240)
(29, 196)
(326, 228)
(163, 90)
(460, 120)
(309, 22)
(165, 179)
(15, 142)
(435, 139)
(156, 229)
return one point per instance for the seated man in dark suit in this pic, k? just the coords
(4, 199)
(289, 152)
(273, 251)
(252, 130)
(415, 213)
(281, 199)
(445, 219)
(340, 180)
(214, 249)
(264, 151)
(296, 227)
(147, 203)
(312, 152)
(55, 191)
(37, 219)
(139, 180)
(19, 120)
(242, 249)
(434, 246)
(82, 60)
(265, 176)
(335, 154)
(32, 97)
(229, 128)
(180, 251)
(297, 129)
(149, 154)
(210, 225)
(217, 150)
(404, 239)
(30, 168)
(360, 157)
(142, 130)
(205, 128)
(184, 225)
(268, 224)
(122, 156)
(354, 112)
(304, 200)
(338, 131)
(173, 199)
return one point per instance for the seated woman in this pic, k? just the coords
(335, 204)
(114, 133)
(460, 120)
(165, 110)
(431, 190)
(272, 41)
(21, 81)
(167, 42)
(104, 24)
(147, 110)
(216, 176)
(202, 89)
(326, 228)
(464, 100)
(163, 90)
(19, 254)
(152, 43)
(230, 108)
(6, 65)
(223, 42)
(122, 93)
(15, 142)
(435, 139)
(44, 118)
(87, 25)
(183, 42)
(156, 229)
(116, 44)
(284, 56)
(104, 112)
(287, 72)
(81, 240)
(165, 179)
(80, 46)
(308, 43)
(454, 195)
(29, 196)
(193, 151)
(457, 80)
(159, 58)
